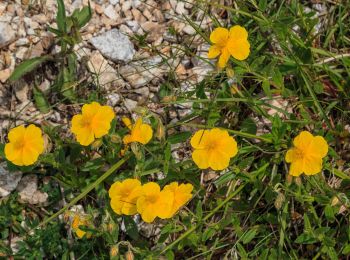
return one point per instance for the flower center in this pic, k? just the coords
(299, 154)
(211, 146)
(152, 198)
(20, 144)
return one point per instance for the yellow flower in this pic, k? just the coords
(80, 221)
(140, 132)
(213, 148)
(182, 194)
(307, 153)
(25, 145)
(226, 43)
(124, 196)
(154, 203)
(94, 122)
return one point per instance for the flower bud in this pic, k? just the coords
(141, 110)
(114, 251)
(230, 72)
(168, 99)
(136, 150)
(115, 138)
(129, 255)
(335, 201)
(160, 133)
(297, 181)
(279, 200)
(97, 144)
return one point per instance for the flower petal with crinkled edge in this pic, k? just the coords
(214, 51)
(219, 36)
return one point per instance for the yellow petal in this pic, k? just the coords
(114, 190)
(296, 168)
(318, 147)
(85, 136)
(200, 158)
(218, 161)
(239, 48)
(127, 139)
(127, 122)
(16, 133)
(129, 208)
(165, 204)
(303, 140)
(116, 205)
(149, 214)
(292, 155)
(34, 139)
(197, 140)
(13, 155)
(89, 110)
(224, 57)
(146, 133)
(150, 188)
(312, 166)
(214, 51)
(238, 32)
(219, 36)
(101, 122)
(225, 143)
(29, 156)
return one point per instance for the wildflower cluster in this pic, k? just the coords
(211, 148)
(129, 197)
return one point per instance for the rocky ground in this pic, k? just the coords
(128, 72)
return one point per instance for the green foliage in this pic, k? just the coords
(252, 210)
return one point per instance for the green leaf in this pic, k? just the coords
(346, 249)
(305, 239)
(249, 236)
(329, 213)
(61, 16)
(41, 101)
(83, 16)
(199, 210)
(179, 138)
(27, 66)
(131, 227)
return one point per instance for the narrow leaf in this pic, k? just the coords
(41, 101)
(61, 16)
(27, 66)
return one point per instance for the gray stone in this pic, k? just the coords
(130, 104)
(107, 75)
(6, 33)
(114, 45)
(114, 2)
(113, 99)
(28, 190)
(140, 73)
(8, 180)
(110, 12)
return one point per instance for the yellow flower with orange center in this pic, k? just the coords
(229, 42)
(182, 194)
(307, 154)
(213, 148)
(139, 132)
(154, 203)
(25, 145)
(94, 122)
(77, 222)
(124, 196)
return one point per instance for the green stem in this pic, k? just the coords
(188, 232)
(86, 190)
